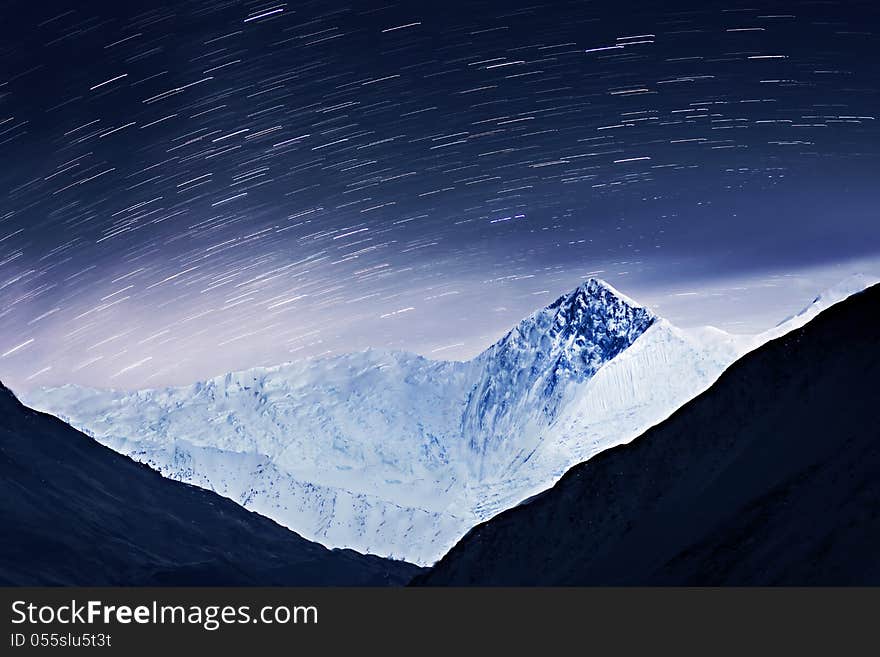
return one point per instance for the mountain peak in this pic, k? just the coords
(566, 342)
(595, 285)
(592, 313)
(599, 290)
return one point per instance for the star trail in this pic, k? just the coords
(194, 187)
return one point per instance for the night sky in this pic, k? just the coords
(194, 187)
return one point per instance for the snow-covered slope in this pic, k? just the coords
(393, 454)
(639, 388)
(354, 450)
(843, 290)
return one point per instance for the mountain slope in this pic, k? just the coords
(74, 512)
(772, 476)
(835, 294)
(394, 454)
(356, 451)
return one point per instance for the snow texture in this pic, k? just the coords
(393, 454)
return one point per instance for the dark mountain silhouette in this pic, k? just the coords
(770, 477)
(73, 512)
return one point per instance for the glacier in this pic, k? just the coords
(390, 453)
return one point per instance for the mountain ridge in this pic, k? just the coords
(76, 513)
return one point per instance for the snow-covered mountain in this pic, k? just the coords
(393, 454)
(527, 377)
(769, 478)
